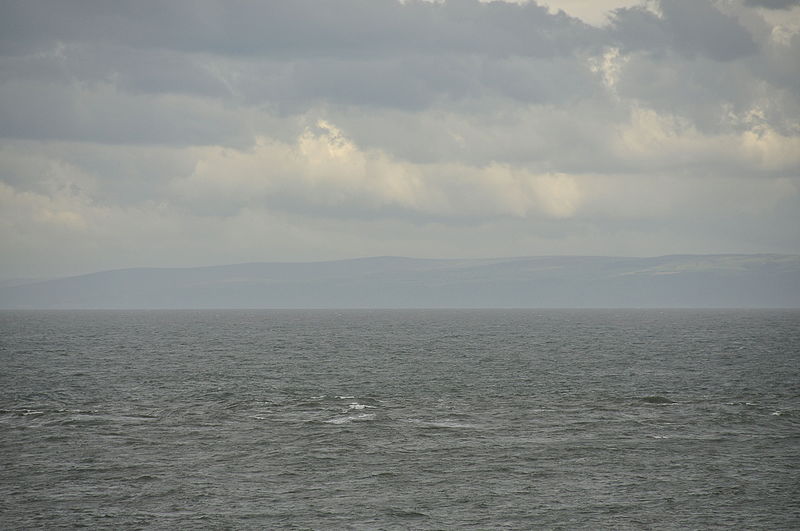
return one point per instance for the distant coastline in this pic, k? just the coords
(691, 281)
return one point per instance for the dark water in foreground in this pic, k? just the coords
(400, 419)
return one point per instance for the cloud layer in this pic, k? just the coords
(189, 133)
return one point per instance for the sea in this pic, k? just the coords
(400, 419)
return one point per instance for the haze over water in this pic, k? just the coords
(404, 419)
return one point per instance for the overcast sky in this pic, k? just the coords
(198, 132)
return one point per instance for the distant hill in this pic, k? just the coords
(698, 281)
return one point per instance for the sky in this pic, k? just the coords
(201, 132)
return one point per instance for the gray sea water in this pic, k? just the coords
(431, 419)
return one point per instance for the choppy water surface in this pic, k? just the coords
(400, 419)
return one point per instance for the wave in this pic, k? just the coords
(356, 405)
(656, 399)
(351, 418)
(442, 424)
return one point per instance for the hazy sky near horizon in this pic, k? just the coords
(198, 132)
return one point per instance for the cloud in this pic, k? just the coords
(773, 4)
(195, 131)
(298, 28)
(324, 173)
(101, 112)
(687, 27)
(667, 143)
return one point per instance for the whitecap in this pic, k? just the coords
(356, 405)
(353, 418)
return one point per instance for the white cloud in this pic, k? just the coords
(325, 171)
(663, 142)
(593, 12)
